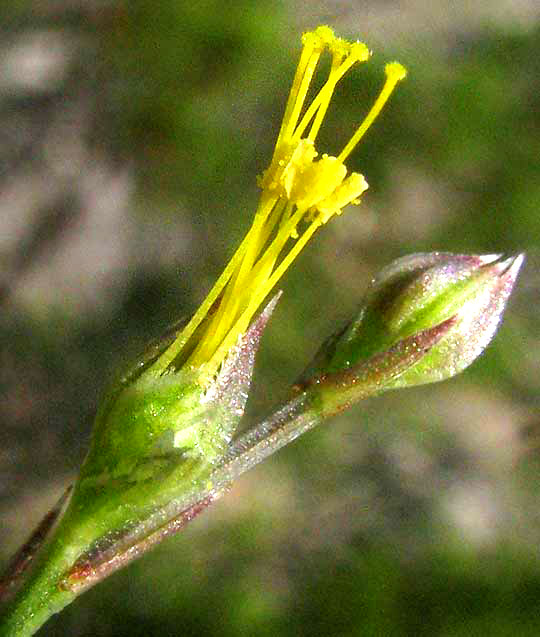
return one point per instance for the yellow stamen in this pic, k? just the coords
(314, 44)
(394, 73)
(358, 53)
(300, 192)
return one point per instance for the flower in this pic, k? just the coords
(175, 403)
(301, 190)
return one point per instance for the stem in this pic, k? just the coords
(91, 518)
(24, 557)
(68, 561)
(40, 596)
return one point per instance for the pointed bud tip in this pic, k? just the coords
(486, 259)
(505, 271)
(510, 266)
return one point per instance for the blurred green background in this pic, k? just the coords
(131, 135)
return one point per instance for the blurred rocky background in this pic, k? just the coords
(130, 138)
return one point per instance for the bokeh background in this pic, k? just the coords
(130, 138)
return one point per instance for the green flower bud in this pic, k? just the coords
(444, 307)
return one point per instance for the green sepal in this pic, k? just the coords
(149, 422)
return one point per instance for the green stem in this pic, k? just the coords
(58, 574)
(93, 522)
(40, 595)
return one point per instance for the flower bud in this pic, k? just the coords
(410, 298)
